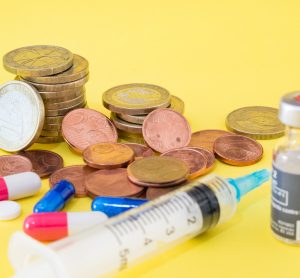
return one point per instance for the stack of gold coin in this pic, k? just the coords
(131, 103)
(58, 75)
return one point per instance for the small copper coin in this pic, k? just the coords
(165, 129)
(238, 150)
(84, 127)
(13, 164)
(112, 182)
(206, 138)
(210, 157)
(76, 175)
(155, 192)
(44, 162)
(194, 159)
(158, 171)
(140, 150)
(108, 155)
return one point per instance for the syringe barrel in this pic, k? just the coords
(131, 236)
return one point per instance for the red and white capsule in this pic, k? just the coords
(19, 186)
(49, 226)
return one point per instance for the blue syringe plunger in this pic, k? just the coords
(247, 183)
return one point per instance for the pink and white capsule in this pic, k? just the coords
(49, 226)
(19, 186)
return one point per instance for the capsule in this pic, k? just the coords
(56, 198)
(49, 226)
(112, 206)
(19, 186)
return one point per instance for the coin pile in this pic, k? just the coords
(131, 103)
(58, 75)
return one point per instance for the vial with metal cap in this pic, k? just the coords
(285, 211)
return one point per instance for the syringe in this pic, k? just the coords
(119, 242)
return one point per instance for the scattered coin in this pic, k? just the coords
(112, 182)
(76, 175)
(257, 122)
(210, 157)
(21, 116)
(49, 139)
(13, 164)
(165, 129)
(108, 155)
(157, 171)
(84, 127)
(131, 138)
(238, 150)
(155, 192)
(38, 60)
(140, 150)
(205, 138)
(135, 99)
(125, 126)
(177, 104)
(78, 70)
(44, 162)
(193, 158)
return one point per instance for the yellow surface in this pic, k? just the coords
(216, 56)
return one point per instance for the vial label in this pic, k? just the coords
(285, 204)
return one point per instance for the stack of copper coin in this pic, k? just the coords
(131, 103)
(58, 75)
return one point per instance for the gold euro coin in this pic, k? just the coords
(38, 60)
(257, 122)
(125, 126)
(136, 99)
(53, 127)
(49, 139)
(51, 133)
(177, 104)
(64, 111)
(55, 120)
(65, 104)
(55, 97)
(79, 69)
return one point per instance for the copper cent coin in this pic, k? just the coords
(13, 164)
(76, 175)
(108, 155)
(84, 127)
(140, 150)
(44, 162)
(210, 157)
(238, 150)
(165, 129)
(194, 159)
(155, 192)
(112, 182)
(206, 138)
(157, 171)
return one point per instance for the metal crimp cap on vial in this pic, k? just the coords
(289, 111)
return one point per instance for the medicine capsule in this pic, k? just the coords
(19, 186)
(48, 226)
(56, 198)
(112, 206)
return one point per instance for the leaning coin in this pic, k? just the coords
(238, 150)
(76, 174)
(44, 162)
(125, 126)
(65, 104)
(257, 122)
(140, 150)
(54, 97)
(108, 155)
(135, 99)
(84, 127)
(79, 69)
(64, 111)
(49, 140)
(13, 164)
(166, 129)
(210, 157)
(21, 116)
(112, 182)
(38, 60)
(206, 138)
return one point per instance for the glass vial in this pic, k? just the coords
(285, 210)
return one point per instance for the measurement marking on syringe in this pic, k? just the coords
(152, 211)
(175, 205)
(166, 209)
(111, 229)
(116, 227)
(161, 212)
(146, 218)
(186, 202)
(177, 201)
(137, 224)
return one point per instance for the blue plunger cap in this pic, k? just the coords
(245, 184)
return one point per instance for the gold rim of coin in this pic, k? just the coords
(78, 70)
(64, 111)
(58, 87)
(52, 127)
(54, 120)
(125, 126)
(38, 60)
(177, 104)
(257, 122)
(54, 97)
(51, 133)
(49, 139)
(22, 111)
(64, 104)
(136, 99)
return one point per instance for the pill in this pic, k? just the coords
(48, 226)
(56, 198)
(19, 186)
(9, 210)
(112, 206)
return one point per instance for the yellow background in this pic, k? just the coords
(215, 55)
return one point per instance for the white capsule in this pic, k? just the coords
(19, 186)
